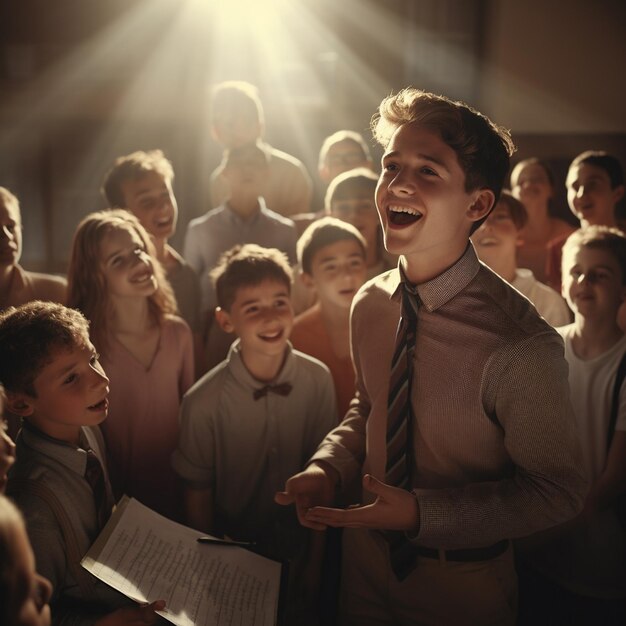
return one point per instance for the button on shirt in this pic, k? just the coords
(496, 452)
(209, 236)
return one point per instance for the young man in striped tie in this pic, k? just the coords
(461, 425)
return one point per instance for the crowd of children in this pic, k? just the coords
(400, 336)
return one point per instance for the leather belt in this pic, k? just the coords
(466, 555)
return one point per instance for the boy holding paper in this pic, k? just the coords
(54, 381)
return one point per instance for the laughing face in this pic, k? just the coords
(424, 208)
(126, 264)
(262, 317)
(152, 201)
(590, 195)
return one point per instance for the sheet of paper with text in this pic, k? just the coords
(148, 557)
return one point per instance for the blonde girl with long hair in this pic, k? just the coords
(147, 351)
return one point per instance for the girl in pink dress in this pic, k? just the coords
(146, 350)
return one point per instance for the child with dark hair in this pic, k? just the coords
(255, 418)
(331, 254)
(595, 186)
(55, 382)
(461, 423)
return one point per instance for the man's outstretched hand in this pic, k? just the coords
(393, 509)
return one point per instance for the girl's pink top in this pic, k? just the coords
(141, 430)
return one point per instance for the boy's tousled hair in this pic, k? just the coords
(9, 199)
(516, 209)
(338, 137)
(612, 240)
(133, 167)
(247, 266)
(349, 185)
(483, 148)
(224, 94)
(87, 289)
(605, 161)
(324, 232)
(28, 336)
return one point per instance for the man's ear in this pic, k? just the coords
(223, 319)
(483, 201)
(19, 403)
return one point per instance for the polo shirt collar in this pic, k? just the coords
(72, 457)
(438, 291)
(245, 378)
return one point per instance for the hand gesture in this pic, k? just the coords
(312, 487)
(393, 509)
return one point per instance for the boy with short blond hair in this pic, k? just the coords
(256, 417)
(331, 254)
(496, 243)
(461, 423)
(54, 381)
(583, 569)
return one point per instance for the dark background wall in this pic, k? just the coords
(83, 81)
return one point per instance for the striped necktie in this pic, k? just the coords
(400, 425)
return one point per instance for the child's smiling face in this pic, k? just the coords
(151, 199)
(262, 317)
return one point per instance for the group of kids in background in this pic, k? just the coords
(213, 386)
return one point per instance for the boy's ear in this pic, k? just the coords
(19, 403)
(307, 279)
(223, 319)
(618, 193)
(482, 204)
